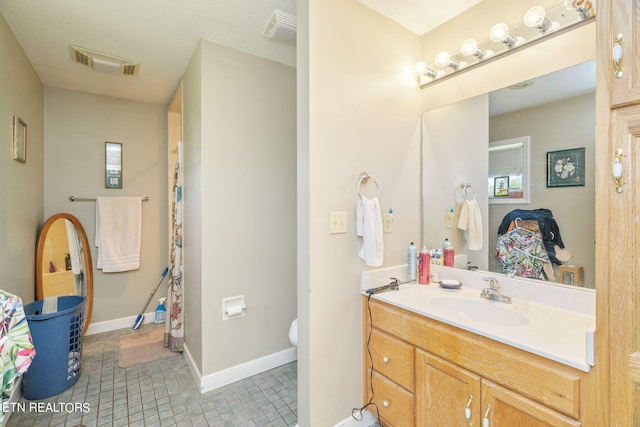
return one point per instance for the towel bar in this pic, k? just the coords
(85, 199)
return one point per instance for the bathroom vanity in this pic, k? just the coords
(438, 361)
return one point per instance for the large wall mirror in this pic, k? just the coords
(555, 115)
(63, 261)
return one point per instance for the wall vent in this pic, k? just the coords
(103, 62)
(281, 26)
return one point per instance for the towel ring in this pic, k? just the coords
(466, 187)
(364, 178)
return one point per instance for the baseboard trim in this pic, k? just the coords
(245, 370)
(115, 324)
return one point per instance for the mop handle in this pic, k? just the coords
(164, 273)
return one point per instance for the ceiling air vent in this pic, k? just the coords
(104, 63)
(281, 26)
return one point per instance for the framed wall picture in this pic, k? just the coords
(19, 140)
(565, 168)
(501, 186)
(113, 165)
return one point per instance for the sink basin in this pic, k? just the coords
(480, 310)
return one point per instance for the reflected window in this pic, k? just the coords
(509, 171)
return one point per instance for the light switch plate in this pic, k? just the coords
(337, 222)
(388, 223)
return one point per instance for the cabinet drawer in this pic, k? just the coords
(393, 358)
(395, 404)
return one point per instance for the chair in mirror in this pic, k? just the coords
(63, 261)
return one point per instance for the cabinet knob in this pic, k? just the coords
(385, 359)
(385, 403)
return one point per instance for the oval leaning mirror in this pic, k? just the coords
(63, 261)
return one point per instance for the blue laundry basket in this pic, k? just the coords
(57, 338)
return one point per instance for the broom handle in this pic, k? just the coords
(164, 273)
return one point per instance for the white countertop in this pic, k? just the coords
(549, 331)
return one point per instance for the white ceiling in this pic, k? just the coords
(566, 83)
(162, 35)
(420, 16)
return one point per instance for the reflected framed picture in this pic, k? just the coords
(565, 168)
(113, 165)
(19, 140)
(501, 186)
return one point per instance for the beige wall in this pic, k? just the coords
(21, 184)
(241, 163)
(556, 126)
(192, 193)
(359, 111)
(76, 128)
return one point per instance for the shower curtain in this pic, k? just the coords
(174, 327)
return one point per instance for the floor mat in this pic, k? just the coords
(143, 347)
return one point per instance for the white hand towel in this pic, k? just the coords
(471, 220)
(369, 226)
(118, 233)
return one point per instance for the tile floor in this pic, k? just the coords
(163, 393)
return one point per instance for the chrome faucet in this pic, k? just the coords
(493, 291)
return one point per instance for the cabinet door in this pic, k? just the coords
(445, 393)
(504, 408)
(625, 22)
(624, 288)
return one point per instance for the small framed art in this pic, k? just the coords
(113, 165)
(19, 140)
(501, 186)
(565, 168)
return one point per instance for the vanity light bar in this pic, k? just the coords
(503, 39)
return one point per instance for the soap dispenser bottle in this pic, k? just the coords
(412, 259)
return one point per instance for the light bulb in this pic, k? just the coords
(469, 47)
(421, 67)
(583, 7)
(443, 59)
(499, 32)
(534, 16)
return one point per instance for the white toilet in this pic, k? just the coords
(293, 333)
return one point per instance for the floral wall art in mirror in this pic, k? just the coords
(565, 168)
(113, 165)
(19, 140)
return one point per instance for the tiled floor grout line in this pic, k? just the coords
(163, 393)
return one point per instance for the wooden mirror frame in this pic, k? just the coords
(88, 271)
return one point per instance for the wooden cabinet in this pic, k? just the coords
(392, 377)
(446, 394)
(422, 372)
(624, 31)
(502, 407)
